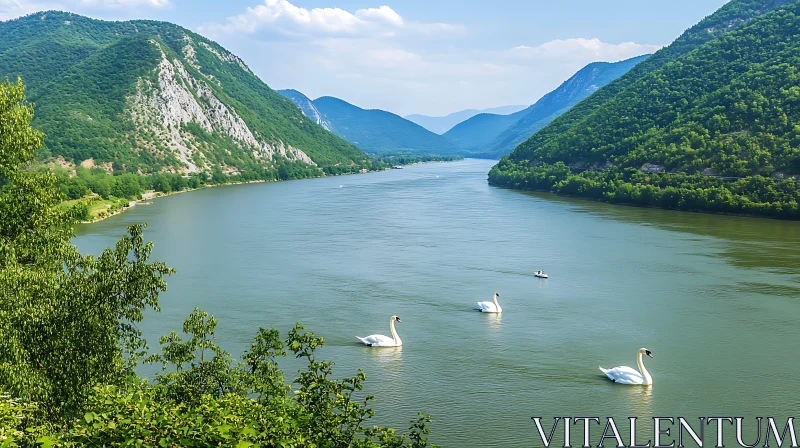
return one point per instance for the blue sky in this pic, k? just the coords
(413, 56)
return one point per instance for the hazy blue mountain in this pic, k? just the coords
(440, 125)
(380, 132)
(307, 106)
(493, 136)
(475, 134)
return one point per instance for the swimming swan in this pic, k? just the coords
(379, 340)
(490, 307)
(626, 375)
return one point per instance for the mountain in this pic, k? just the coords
(378, 131)
(307, 106)
(708, 123)
(574, 90)
(477, 133)
(728, 18)
(147, 97)
(493, 136)
(440, 125)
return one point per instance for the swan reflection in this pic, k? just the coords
(495, 320)
(641, 399)
(387, 355)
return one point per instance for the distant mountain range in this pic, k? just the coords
(493, 135)
(374, 131)
(145, 96)
(307, 106)
(480, 134)
(440, 125)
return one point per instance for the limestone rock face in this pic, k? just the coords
(178, 98)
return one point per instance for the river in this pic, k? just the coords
(716, 298)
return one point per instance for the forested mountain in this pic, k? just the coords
(146, 96)
(380, 132)
(493, 136)
(440, 125)
(307, 106)
(574, 90)
(728, 18)
(721, 102)
(477, 133)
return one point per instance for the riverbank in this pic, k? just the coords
(101, 209)
(750, 196)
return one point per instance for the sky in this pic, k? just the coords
(431, 57)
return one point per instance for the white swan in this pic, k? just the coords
(490, 307)
(379, 340)
(627, 375)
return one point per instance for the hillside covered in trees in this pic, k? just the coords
(147, 97)
(708, 123)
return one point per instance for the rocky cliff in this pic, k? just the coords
(151, 96)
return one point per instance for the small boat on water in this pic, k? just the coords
(397, 167)
(540, 273)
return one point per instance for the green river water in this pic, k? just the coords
(716, 298)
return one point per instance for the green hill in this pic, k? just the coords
(147, 97)
(380, 132)
(493, 136)
(708, 123)
(475, 134)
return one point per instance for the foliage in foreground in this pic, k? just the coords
(205, 398)
(71, 343)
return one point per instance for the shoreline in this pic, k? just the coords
(158, 195)
(650, 207)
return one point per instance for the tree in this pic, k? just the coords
(70, 342)
(67, 321)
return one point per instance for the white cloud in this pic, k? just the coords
(281, 17)
(376, 58)
(382, 14)
(10, 9)
(581, 49)
(436, 77)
